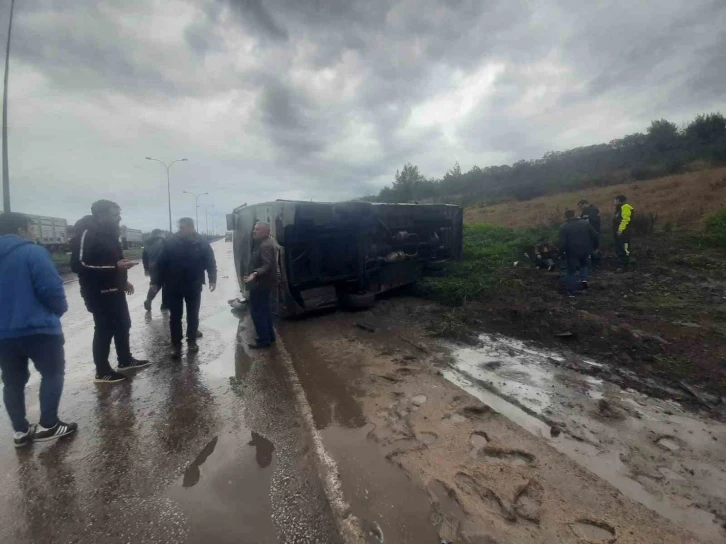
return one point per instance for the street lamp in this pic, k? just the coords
(196, 205)
(168, 185)
(6, 172)
(206, 218)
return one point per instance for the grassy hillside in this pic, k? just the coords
(678, 202)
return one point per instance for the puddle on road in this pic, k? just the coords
(331, 398)
(392, 508)
(651, 450)
(225, 490)
(192, 473)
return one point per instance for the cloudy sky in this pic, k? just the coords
(325, 99)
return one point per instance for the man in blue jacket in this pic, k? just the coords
(32, 301)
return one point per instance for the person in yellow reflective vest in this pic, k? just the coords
(621, 231)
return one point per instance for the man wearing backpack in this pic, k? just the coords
(97, 258)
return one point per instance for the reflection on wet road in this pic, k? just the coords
(209, 448)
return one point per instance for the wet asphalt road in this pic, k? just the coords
(207, 449)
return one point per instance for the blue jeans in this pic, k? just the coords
(573, 263)
(46, 352)
(261, 313)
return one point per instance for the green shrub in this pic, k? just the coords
(488, 252)
(715, 228)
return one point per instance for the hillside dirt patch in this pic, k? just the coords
(679, 201)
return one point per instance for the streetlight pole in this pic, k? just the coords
(206, 217)
(168, 184)
(196, 206)
(6, 171)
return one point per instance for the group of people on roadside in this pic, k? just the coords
(579, 243)
(33, 300)
(176, 267)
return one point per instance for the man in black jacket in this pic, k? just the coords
(97, 258)
(578, 239)
(150, 259)
(185, 258)
(591, 213)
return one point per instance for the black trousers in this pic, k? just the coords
(151, 295)
(176, 297)
(112, 322)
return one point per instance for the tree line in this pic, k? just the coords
(662, 150)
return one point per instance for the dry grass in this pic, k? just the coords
(680, 202)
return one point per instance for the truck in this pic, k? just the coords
(50, 232)
(347, 253)
(228, 236)
(131, 237)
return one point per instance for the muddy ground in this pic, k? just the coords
(660, 327)
(503, 441)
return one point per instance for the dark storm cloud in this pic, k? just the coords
(254, 16)
(326, 99)
(290, 119)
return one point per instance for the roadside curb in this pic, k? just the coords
(349, 525)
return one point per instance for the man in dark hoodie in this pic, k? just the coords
(32, 301)
(591, 213)
(578, 239)
(150, 258)
(182, 264)
(97, 258)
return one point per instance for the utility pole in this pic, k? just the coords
(6, 171)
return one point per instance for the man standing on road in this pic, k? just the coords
(97, 258)
(32, 301)
(185, 258)
(621, 231)
(150, 259)
(577, 242)
(262, 282)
